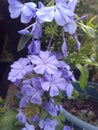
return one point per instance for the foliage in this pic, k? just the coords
(52, 37)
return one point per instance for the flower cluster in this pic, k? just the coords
(42, 75)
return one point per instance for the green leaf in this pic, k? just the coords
(88, 30)
(50, 3)
(84, 75)
(44, 114)
(92, 19)
(23, 41)
(75, 93)
(7, 121)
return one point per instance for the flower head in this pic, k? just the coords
(66, 128)
(21, 117)
(60, 12)
(28, 127)
(32, 92)
(50, 107)
(27, 10)
(44, 63)
(54, 83)
(48, 124)
(19, 69)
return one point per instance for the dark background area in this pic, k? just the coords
(9, 39)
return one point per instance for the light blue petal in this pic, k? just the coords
(62, 15)
(64, 48)
(71, 5)
(45, 85)
(31, 5)
(15, 11)
(45, 14)
(60, 20)
(26, 15)
(71, 27)
(14, 2)
(40, 5)
(54, 91)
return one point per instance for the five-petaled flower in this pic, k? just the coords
(44, 63)
(27, 10)
(59, 11)
(54, 83)
(48, 124)
(19, 69)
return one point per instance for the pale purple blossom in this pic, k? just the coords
(44, 63)
(50, 107)
(21, 117)
(69, 89)
(48, 124)
(34, 47)
(19, 69)
(54, 83)
(28, 127)
(64, 48)
(68, 76)
(32, 92)
(71, 27)
(60, 12)
(24, 101)
(63, 65)
(26, 10)
(59, 108)
(36, 30)
(35, 118)
(66, 128)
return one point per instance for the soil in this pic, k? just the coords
(83, 108)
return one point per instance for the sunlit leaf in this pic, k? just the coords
(84, 75)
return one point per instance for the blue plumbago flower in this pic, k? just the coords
(59, 108)
(33, 92)
(78, 44)
(54, 83)
(50, 107)
(34, 47)
(66, 128)
(36, 30)
(24, 101)
(35, 118)
(69, 89)
(71, 4)
(48, 124)
(44, 63)
(28, 127)
(68, 75)
(21, 117)
(71, 27)
(63, 65)
(19, 69)
(27, 10)
(64, 48)
(59, 11)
